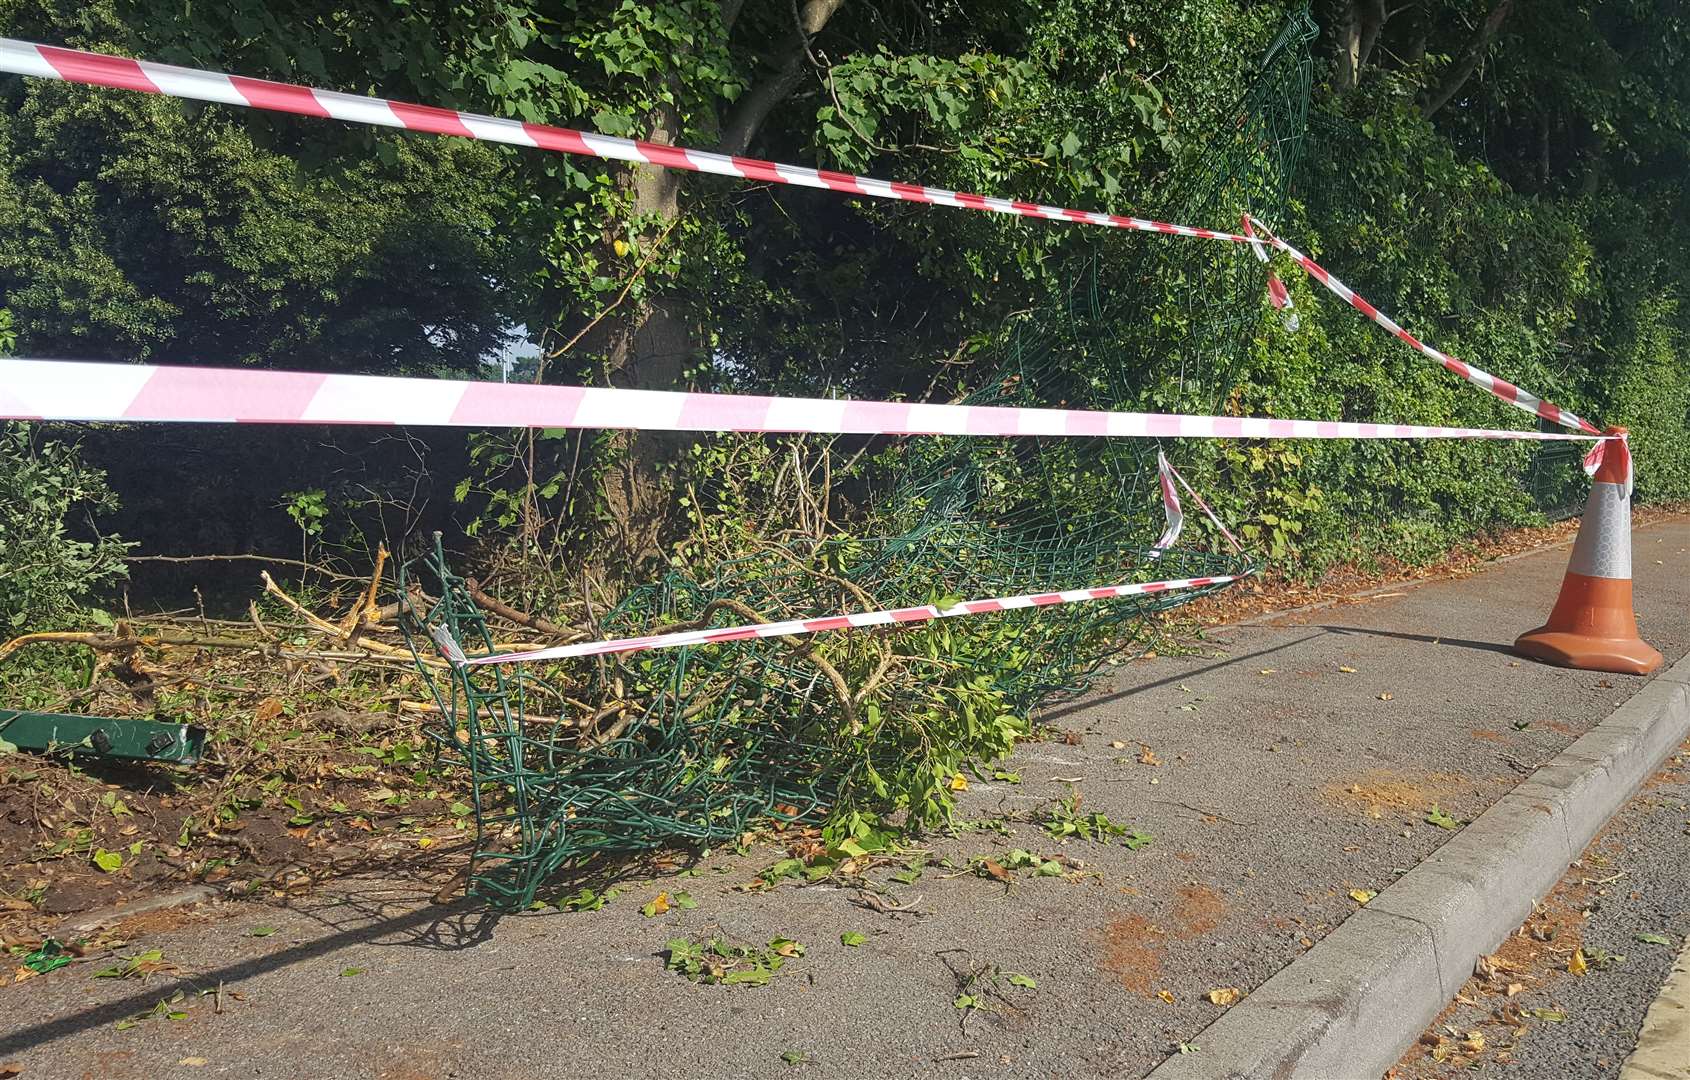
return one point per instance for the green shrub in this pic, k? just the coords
(49, 499)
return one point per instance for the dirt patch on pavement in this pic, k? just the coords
(1132, 952)
(1198, 910)
(1379, 789)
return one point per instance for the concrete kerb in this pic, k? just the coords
(1351, 1005)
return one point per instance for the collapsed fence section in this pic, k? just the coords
(691, 746)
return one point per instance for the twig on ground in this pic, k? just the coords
(875, 903)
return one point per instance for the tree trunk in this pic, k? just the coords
(647, 350)
(1357, 32)
(654, 345)
(793, 53)
(1467, 62)
(1346, 43)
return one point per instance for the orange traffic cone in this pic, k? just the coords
(1592, 625)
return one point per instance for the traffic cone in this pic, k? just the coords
(1592, 625)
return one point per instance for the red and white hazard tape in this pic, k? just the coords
(1278, 294)
(793, 627)
(1502, 388)
(70, 391)
(100, 69)
(1170, 505)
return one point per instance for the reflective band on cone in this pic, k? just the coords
(1593, 626)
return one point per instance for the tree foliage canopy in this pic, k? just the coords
(1508, 177)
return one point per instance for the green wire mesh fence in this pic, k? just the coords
(695, 746)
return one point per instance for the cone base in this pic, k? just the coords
(1622, 656)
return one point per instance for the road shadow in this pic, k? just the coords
(374, 902)
(457, 925)
(1091, 701)
(1427, 639)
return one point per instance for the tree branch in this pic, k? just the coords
(754, 107)
(1466, 63)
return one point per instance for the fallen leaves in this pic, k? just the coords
(1385, 696)
(1165, 996)
(851, 939)
(656, 906)
(1653, 939)
(138, 966)
(1362, 896)
(1226, 995)
(717, 961)
(1147, 756)
(1491, 967)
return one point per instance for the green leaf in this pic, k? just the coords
(852, 939)
(683, 900)
(347, 973)
(1070, 144)
(795, 1057)
(748, 977)
(261, 931)
(109, 861)
(1436, 816)
(1017, 979)
(967, 1001)
(1653, 939)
